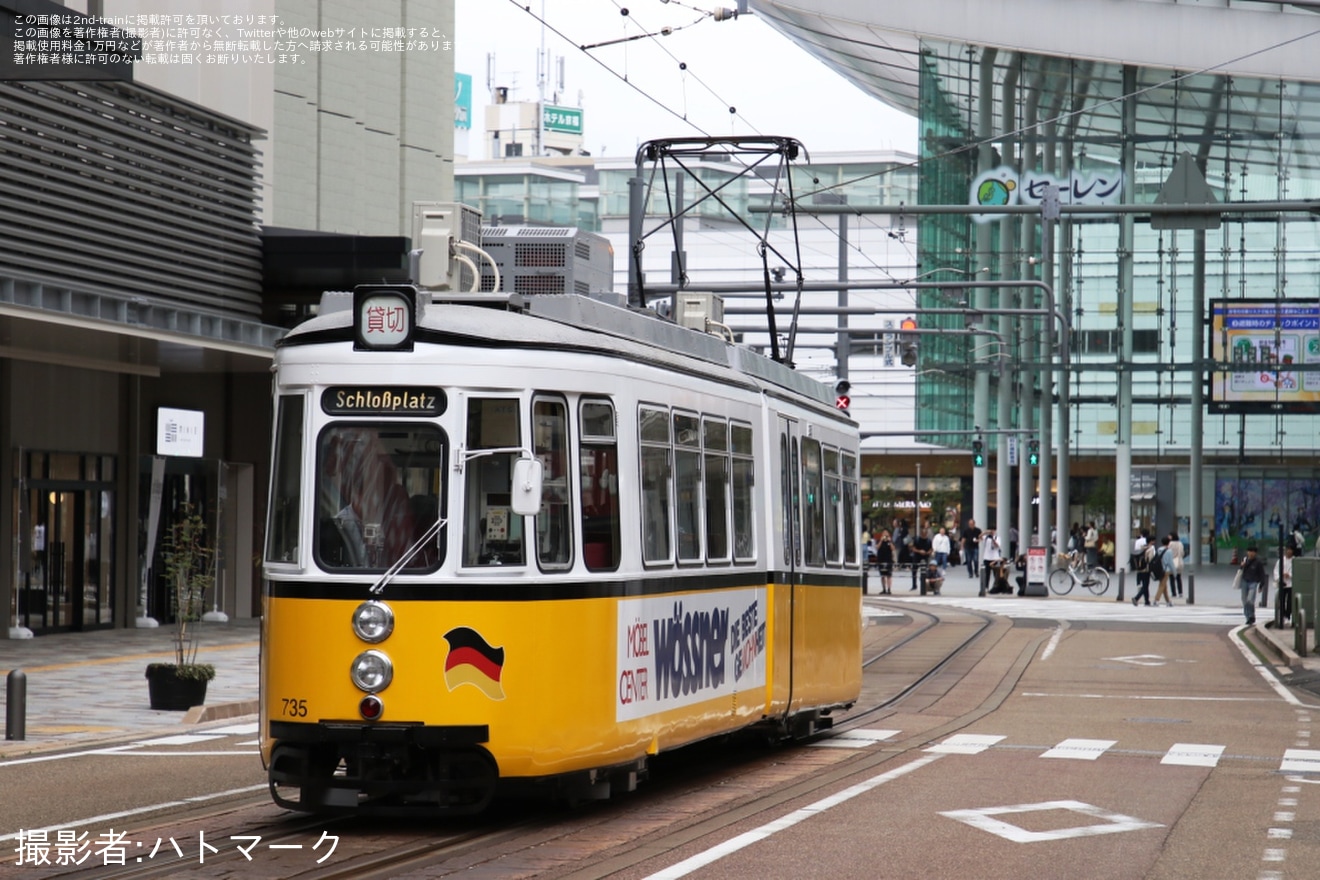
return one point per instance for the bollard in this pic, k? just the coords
(16, 704)
(1278, 613)
(1191, 588)
(1122, 572)
(1299, 632)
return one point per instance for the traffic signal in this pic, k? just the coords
(978, 454)
(1033, 453)
(842, 400)
(907, 340)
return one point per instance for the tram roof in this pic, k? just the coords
(573, 322)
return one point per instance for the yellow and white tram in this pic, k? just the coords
(538, 541)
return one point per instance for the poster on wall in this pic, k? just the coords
(1266, 356)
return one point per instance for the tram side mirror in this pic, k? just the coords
(527, 486)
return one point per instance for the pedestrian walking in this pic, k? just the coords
(1141, 554)
(971, 545)
(1164, 570)
(1176, 545)
(1251, 575)
(1091, 543)
(940, 545)
(884, 563)
(1283, 571)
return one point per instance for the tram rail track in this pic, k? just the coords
(692, 793)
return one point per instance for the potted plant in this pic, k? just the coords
(190, 571)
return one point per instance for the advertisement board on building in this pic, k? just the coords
(1266, 356)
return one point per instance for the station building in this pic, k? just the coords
(1194, 341)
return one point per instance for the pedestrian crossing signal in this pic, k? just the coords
(1033, 453)
(978, 454)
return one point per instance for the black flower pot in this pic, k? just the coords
(171, 692)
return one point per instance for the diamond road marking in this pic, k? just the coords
(856, 739)
(1141, 659)
(1193, 755)
(1300, 761)
(1080, 749)
(182, 739)
(965, 744)
(1111, 823)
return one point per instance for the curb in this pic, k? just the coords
(1271, 640)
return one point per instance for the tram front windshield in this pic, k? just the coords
(378, 491)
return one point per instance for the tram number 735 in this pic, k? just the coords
(294, 708)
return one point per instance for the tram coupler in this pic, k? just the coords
(16, 704)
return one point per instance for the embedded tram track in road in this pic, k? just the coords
(916, 659)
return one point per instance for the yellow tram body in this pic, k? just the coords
(719, 588)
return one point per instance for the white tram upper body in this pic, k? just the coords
(691, 565)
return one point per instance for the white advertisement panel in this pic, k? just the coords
(674, 651)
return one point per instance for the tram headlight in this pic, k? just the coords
(372, 671)
(373, 621)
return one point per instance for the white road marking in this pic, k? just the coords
(1275, 855)
(855, 739)
(1054, 642)
(1300, 761)
(1080, 749)
(1111, 823)
(715, 853)
(964, 744)
(1172, 697)
(106, 817)
(181, 739)
(1193, 755)
(1288, 696)
(1141, 659)
(238, 729)
(212, 753)
(1280, 834)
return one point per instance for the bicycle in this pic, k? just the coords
(1074, 572)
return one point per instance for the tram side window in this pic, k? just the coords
(492, 534)
(600, 486)
(833, 498)
(687, 486)
(286, 481)
(851, 503)
(715, 444)
(813, 513)
(744, 487)
(554, 524)
(378, 492)
(654, 435)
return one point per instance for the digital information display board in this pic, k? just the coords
(1266, 356)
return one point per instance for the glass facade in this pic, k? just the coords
(523, 198)
(1109, 133)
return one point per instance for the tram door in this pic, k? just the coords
(790, 523)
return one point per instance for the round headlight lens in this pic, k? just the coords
(372, 671)
(373, 621)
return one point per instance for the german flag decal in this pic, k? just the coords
(473, 661)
